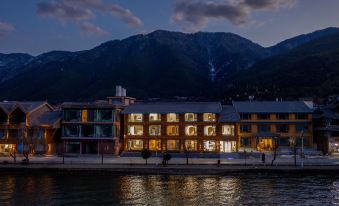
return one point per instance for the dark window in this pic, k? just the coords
(283, 116)
(284, 142)
(72, 115)
(104, 116)
(104, 131)
(2, 133)
(245, 128)
(90, 115)
(3, 116)
(301, 116)
(245, 116)
(263, 116)
(282, 128)
(88, 131)
(302, 127)
(71, 131)
(245, 141)
(264, 128)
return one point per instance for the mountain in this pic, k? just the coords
(166, 64)
(159, 64)
(11, 63)
(310, 70)
(299, 40)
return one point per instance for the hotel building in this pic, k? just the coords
(266, 125)
(28, 127)
(93, 128)
(180, 127)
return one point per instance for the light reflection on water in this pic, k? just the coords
(106, 189)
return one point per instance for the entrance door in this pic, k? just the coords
(265, 145)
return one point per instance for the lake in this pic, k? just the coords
(78, 188)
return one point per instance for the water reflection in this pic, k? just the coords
(105, 189)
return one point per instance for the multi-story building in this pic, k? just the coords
(265, 125)
(326, 128)
(93, 128)
(27, 127)
(179, 127)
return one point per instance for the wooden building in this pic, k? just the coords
(264, 126)
(179, 127)
(21, 131)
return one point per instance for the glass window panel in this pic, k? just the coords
(72, 115)
(172, 130)
(173, 145)
(191, 130)
(135, 144)
(191, 145)
(154, 130)
(209, 117)
(154, 117)
(135, 130)
(190, 117)
(209, 131)
(154, 145)
(209, 146)
(228, 130)
(104, 116)
(71, 131)
(172, 117)
(136, 117)
(104, 130)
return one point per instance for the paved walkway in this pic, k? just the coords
(97, 159)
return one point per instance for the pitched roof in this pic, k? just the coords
(228, 114)
(174, 107)
(272, 107)
(27, 107)
(49, 118)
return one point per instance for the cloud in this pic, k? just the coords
(80, 11)
(5, 28)
(196, 14)
(91, 29)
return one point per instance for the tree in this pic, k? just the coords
(145, 153)
(166, 157)
(12, 153)
(187, 151)
(275, 150)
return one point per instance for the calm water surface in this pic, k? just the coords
(105, 189)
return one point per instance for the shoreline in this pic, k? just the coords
(168, 170)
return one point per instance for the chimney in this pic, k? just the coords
(118, 91)
(123, 92)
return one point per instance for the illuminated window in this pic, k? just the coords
(135, 130)
(191, 130)
(209, 130)
(228, 146)
(209, 146)
(190, 117)
(173, 145)
(135, 144)
(227, 130)
(154, 117)
(84, 115)
(209, 117)
(172, 117)
(154, 130)
(191, 145)
(154, 145)
(172, 130)
(135, 117)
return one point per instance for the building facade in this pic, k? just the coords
(179, 127)
(264, 126)
(326, 128)
(21, 128)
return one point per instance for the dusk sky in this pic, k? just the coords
(37, 26)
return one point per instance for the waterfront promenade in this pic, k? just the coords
(283, 160)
